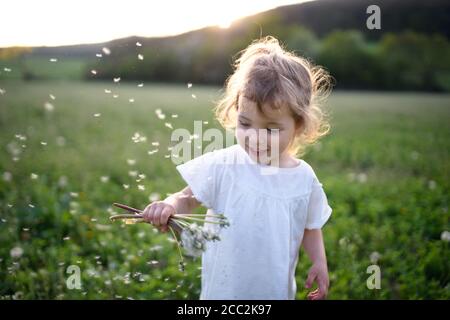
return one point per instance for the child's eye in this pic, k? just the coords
(243, 124)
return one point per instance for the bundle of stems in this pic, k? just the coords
(193, 237)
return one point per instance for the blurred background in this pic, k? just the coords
(91, 91)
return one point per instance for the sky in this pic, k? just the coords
(65, 22)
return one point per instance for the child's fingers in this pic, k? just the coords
(157, 215)
(165, 215)
(147, 215)
(323, 288)
(312, 295)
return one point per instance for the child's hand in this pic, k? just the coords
(158, 214)
(319, 273)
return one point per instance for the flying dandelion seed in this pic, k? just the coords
(99, 55)
(131, 100)
(132, 173)
(97, 115)
(94, 72)
(154, 196)
(140, 85)
(52, 96)
(141, 187)
(189, 85)
(43, 143)
(30, 205)
(7, 176)
(116, 80)
(74, 194)
(49, 107)
(138, 44)
(160, 114)
(2, 91)
(53, 60)
(66, 238)
(137, 137)
(445, 236)
(104, 179)
(107, 91)
(168, 125)
(126, 186)
(140, 57)
(106, 51)
(141, 176)
(205, 122)
(7, 69)
(150, 152)
(194, 96)
(174, 116)
(34, 176)
(115, 96)
(155, 143)
(131, 162)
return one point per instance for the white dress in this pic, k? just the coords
(268, 212)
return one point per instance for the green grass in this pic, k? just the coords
(44, 69)
(384, 166)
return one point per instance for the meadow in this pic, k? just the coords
(68, 152)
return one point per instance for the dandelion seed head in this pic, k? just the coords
(16, 252)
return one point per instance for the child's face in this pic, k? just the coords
(255, 130)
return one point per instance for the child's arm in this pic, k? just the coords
(314, 247)
(159, 212)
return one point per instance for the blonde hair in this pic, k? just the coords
(266, 73)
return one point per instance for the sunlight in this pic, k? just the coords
(99, 21)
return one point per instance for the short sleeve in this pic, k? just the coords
(319, 211)
(203, 175)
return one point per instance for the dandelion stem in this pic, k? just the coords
(178, 244)
(200, 220)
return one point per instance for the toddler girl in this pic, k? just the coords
(273, 200)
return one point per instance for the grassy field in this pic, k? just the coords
(66, 151)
